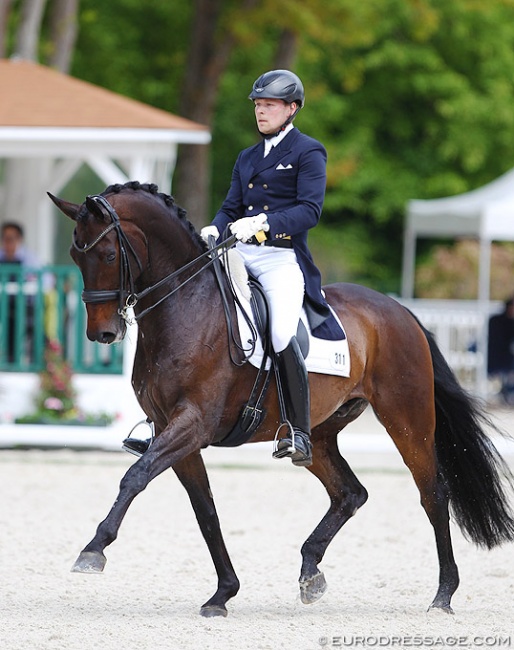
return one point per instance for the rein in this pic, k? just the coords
(231, 326)
(133, 298)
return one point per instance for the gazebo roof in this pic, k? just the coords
(52, 124)
(37, 96)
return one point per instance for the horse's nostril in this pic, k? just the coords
(101, 337)
(106, 337)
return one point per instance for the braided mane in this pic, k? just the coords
(168, 200)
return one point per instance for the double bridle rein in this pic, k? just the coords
(128, 298)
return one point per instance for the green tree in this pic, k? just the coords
(412, 98)
(423, 110)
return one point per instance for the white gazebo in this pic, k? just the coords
(51, 124)
(485, 214)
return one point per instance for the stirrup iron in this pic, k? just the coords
(149, 424)
(283, 453)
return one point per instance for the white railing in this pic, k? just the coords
(460, 328)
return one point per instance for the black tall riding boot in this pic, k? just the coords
(295, 389)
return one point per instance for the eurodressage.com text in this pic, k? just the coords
(414, 641)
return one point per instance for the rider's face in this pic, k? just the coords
(271, 114)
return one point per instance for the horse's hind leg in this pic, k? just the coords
(434, 499)
(412, 431)
(346, 495)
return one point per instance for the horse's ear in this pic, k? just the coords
(71, 210)
(96, 209)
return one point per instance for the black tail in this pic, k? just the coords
(476, 476)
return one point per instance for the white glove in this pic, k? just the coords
(206, 232)
(245, 228)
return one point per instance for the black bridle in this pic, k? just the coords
(128, 298)
(126, 276)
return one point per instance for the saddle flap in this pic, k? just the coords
(261, 314)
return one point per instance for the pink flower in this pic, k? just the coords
(53, 404)
(55, 346)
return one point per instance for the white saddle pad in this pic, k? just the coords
(325, 357)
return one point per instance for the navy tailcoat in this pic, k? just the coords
(288, 185)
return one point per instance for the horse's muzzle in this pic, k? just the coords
(104, 328)
(103, 337)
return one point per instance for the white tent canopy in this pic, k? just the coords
(485, 214)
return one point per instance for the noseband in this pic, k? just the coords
(126, 277)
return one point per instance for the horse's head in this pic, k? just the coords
(111, 257)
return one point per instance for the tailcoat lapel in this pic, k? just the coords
(259, 162)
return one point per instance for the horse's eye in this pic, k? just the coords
(76, 240)
(110, 257)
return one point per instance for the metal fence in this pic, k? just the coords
(38, 306)
(42, 305)
(460, 328)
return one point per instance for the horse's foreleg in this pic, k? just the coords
(162, 455)
(193, 476)
(92, 558)
(346, 494)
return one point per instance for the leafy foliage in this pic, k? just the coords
(452, 272)
(412, 98)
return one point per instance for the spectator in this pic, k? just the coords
(500, 350)
(13, 251)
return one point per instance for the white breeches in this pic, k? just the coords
(282, 280)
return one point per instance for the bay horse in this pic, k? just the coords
(135, 246)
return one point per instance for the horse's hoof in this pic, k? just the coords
(443, 607)
(89, 562)
(210, 611)
(313, 588)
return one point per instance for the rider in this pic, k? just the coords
(276, 195)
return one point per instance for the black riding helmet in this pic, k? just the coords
(279, 84)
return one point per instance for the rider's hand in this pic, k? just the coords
(245, 228)
(206, 232)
